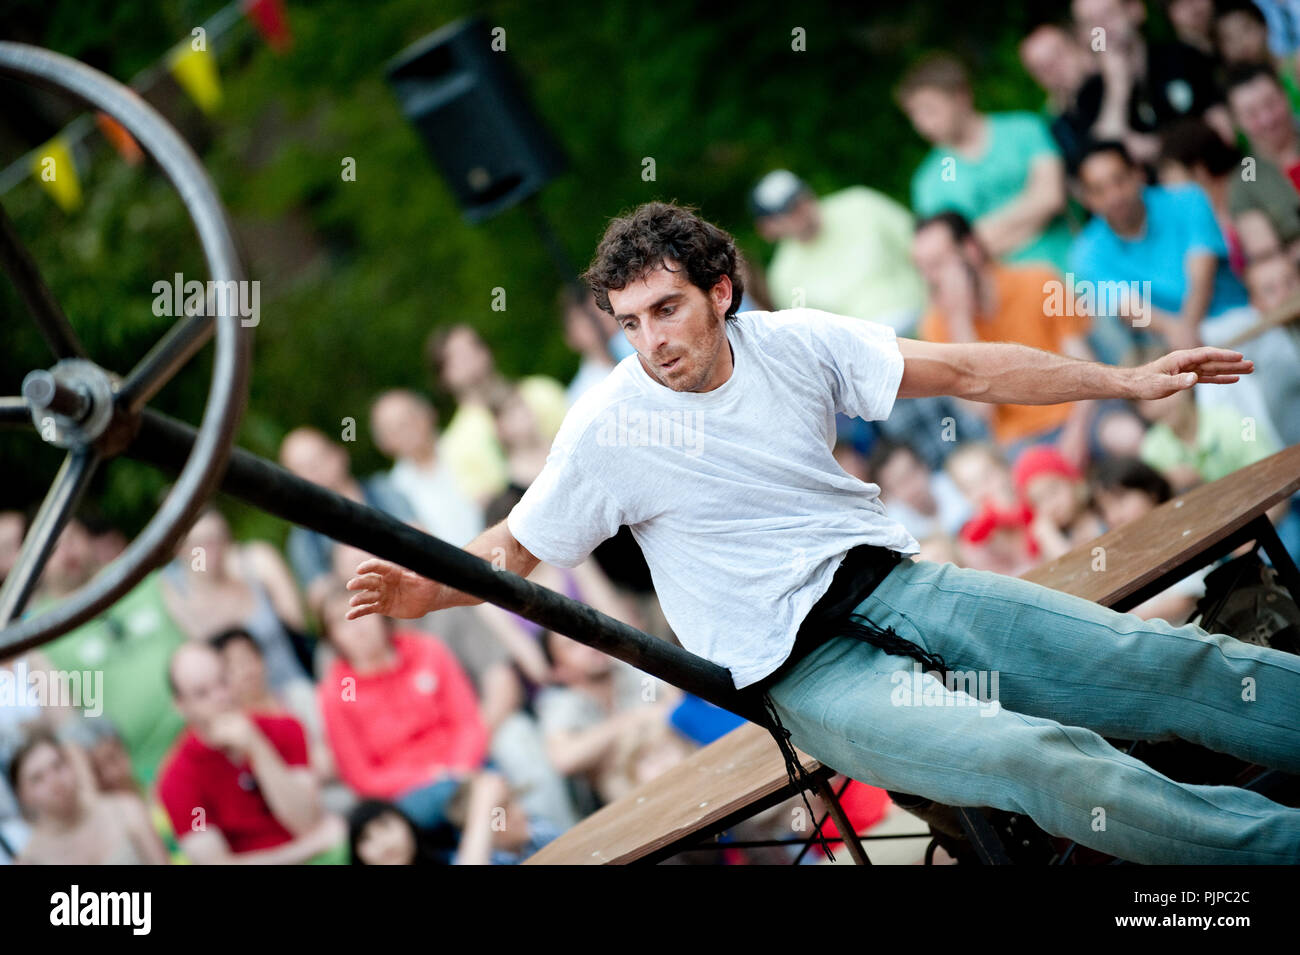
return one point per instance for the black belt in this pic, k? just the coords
(861, 570)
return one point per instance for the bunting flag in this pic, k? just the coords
(196, 72)
(54, 169)
(119, 138)
(271, 21)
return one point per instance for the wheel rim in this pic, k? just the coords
(226, 395)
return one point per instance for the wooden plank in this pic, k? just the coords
(746, 766)
(714, 782)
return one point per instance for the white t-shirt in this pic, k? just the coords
(741, 510)
(440, 507)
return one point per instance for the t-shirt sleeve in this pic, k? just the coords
(862, 362)
(1031, 137)
(567, 511)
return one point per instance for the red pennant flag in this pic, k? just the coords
(119, 138)
(271, 21)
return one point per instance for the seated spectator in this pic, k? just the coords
(589, 713)
(526, 447)
(1002, 171)
(313, 457)
(1193, 23)
(1190, 444)
(1262, 112)
(214, 584)
(400, 714)
(464, 367)
(1241, 35)
(594, 336)
(405, 429)
(1065, 70)
(998, 539)
(1145, 85)
(1163, 246)
(1125, 490)
(129, 644)
(1058, 496)
(237, 786)
(73, 824)
(846, 252)
(379, 833)
(981, 472)
(923, 502)
(976, 299)
(1274, 286)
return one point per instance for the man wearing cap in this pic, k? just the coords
(773, 562)
(846, 252)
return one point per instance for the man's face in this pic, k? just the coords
(904, 478)
(1052, 58)
(1272, 282)
(466, 361)
(938, 116)
(314, 458)
(1260, 109)
(402, 428)
(202, 691)
(47, 782)
(1112, 189)
(801, 222)
(676, 329)
(1241, 38)
(1192, 17)
(948, 267)
(245, 673)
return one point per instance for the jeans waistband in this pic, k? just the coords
(859, 573)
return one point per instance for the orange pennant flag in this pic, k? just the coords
(119, 138)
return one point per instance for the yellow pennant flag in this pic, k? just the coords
(54, 169)
(196, 72)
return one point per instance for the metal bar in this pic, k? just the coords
(856, 852)
(165, 443)
(53, 324)
(167, 357)
(60, 501)
(14, 412)
(987, 844)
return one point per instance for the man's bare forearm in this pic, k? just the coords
(498, 547)
(1007, 373)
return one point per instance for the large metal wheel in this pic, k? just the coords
(90, 411)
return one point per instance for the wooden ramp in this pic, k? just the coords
(743, 773)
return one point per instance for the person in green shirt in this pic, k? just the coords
(130, 643)
(1190, 444)
(848, 252)
(1002, 171)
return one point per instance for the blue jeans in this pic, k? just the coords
(1068, 672)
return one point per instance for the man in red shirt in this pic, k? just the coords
(400, 714)
(238, 787)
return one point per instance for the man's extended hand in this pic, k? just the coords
(1181, 369)
(391, 590)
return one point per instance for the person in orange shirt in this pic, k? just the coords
(974, 298)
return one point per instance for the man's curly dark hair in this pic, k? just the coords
(637, 243)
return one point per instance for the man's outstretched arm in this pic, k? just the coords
(392, 590)
(1007, 373)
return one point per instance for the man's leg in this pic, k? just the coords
(1068, 659)
(857, 709)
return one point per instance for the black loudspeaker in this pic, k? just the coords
(466, 101)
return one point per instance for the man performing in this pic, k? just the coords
(714, 447)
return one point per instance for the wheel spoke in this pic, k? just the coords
(54, 325)
(69, 484)
(165, 359)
